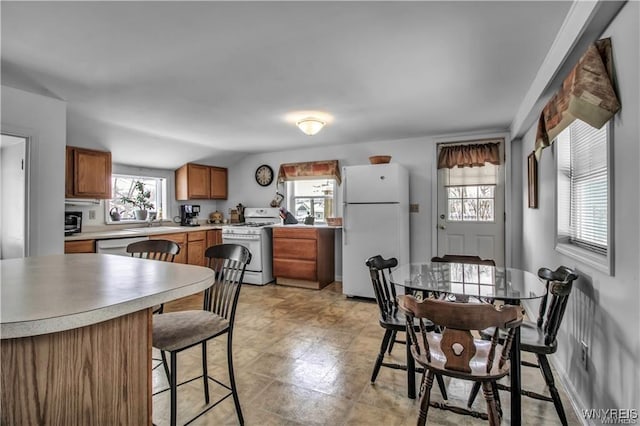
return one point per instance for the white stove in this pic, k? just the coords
(255, 234)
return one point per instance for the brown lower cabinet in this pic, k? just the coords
(81, 246)
(304, 257)
(196, 245)
(214, 237)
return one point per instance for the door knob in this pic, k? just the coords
(441, 227)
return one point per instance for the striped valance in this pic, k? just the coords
(586, 94)
(329, 169)
(468, 155)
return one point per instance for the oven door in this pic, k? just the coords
(251, 242)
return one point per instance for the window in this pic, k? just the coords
(472, 279)
(123, 186)
(583, 197)
(472, 203)
(312, 198)
(471, 193)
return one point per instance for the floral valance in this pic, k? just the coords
(587, 94)
(468, 155)
(329, 169)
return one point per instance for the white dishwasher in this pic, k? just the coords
(117, 246)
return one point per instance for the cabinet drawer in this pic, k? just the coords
(290, 248)
(303, 233)
(82, 246)
(197, 236)
(179, 238)
(300, 269)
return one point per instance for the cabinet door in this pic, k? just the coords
(198, 181)
(218, 183)
(295, 269)
(68, 178)
(92, 173)
(88, 173)
(195, 253)
(82, 246)
(290, 248)
(181, 239)
(214, 237)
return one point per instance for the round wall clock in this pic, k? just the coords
(264, 175)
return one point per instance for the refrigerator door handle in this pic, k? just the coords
(344, 224)
(344, 186)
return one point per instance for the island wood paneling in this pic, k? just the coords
(94, 375)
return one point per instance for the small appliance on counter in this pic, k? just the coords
(189, 214)
(72, 223)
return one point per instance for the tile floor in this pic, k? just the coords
(304, 357)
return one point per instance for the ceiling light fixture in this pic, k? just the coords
(310, 126)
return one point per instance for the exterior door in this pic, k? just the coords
(471, 216)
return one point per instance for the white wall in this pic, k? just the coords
(44, 121)
(603, 310)
(415, 154)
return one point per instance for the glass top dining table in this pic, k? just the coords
(464, 280)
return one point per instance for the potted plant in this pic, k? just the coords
(139, 198)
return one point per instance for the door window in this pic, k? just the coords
(472, 203)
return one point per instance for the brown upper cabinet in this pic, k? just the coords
(88, 173)
(199, 182)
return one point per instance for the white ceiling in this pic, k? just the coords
(163, 83)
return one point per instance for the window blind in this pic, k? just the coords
(587, 197)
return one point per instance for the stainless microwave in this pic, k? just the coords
(72, 222)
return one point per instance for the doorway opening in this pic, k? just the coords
(13, 197)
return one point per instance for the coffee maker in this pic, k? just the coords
(189, 215)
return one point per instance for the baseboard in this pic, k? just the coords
(576, 402)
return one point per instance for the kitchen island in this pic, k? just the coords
(303, 255)
(76, 336)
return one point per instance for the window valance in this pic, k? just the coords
(468, 155)
(587, 94)
(329, 169)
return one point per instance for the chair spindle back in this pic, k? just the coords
(384, 291)
(559, 285)
(163, 250)
(229, 262)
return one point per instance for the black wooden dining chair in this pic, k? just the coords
(390, 317)
(470, 259)
(454, 352)
(539, 337)
(163, 250)
(176, 331)
(459, 258)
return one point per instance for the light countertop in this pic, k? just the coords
(302, 225)
(138, 232)
(48, 294)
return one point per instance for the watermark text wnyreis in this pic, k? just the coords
(612, 416)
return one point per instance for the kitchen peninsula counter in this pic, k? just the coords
(76, 335)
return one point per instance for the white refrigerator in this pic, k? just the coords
(375, 216)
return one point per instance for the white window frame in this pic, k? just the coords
(164, 205)
(291, 196)
(603, 263)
